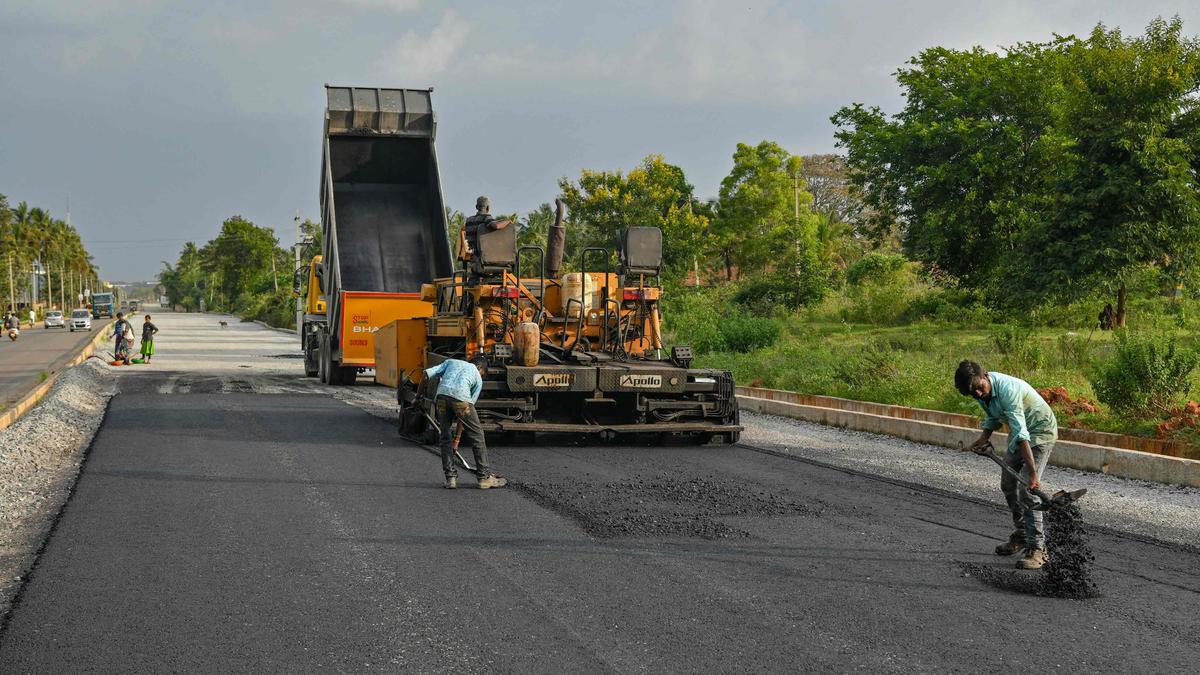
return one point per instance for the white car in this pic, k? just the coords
(53, 319)
(81, 319)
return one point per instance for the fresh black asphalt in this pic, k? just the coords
(249, 533)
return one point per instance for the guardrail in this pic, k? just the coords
(955, 431)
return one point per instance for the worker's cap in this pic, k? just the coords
(482, 203)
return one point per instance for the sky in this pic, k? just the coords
(158, 119)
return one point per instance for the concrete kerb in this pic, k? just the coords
(1084, 457)
(35, 396)
(285, 331)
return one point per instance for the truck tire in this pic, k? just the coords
(322, 359)
(312, 364)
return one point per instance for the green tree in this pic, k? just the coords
(239, 260)
(763, 218)
(1127, 195)
(963, 166)
(603, 204)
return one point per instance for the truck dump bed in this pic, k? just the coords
(382, 211)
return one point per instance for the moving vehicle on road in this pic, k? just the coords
(81, 319)
(53, 319)
(384, 224)
(104, 304)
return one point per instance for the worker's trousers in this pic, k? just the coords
(452, 415)
(1026, 520)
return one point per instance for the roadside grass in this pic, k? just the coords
(913, 364)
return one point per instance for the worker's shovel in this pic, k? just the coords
(1060, 498)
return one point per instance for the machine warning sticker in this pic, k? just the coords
(553, 379)
(641, 381)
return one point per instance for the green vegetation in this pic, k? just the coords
(30, 237)
(243, 271)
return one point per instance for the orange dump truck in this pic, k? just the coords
(384, 224)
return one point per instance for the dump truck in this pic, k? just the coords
(104, 304)
(578, 353)
(383, 219)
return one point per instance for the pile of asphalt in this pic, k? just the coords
(662, 505)
(1068, 572)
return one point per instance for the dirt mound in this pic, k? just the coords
(662, 505)
(1068, 574)
(1061, 400)
(1183, 417)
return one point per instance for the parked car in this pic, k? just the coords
(53, 319)
(81, 319)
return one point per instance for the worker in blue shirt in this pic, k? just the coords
(457, 392)
(1032, 431)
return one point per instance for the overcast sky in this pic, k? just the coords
(160, 118)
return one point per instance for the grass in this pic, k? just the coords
(913, 364)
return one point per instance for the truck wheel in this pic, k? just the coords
(312, 364)
(322, 360)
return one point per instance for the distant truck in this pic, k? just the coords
(104, 304)
(384, 225)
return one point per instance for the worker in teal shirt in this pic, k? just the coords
(457, 391)
(1032, 431)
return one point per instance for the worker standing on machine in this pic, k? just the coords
(1032, 431)
(482, 221)
(457, 392)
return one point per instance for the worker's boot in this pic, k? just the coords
(492, 481)
(1033, 559)
(451, 482)
(1016, 542)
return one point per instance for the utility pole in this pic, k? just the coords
(299, 242)
(274, 274)
(12, 302)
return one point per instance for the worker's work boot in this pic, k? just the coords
(451, 482)
(492, 481)
(1033, 559)
(1016, 542)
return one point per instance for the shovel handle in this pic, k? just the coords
(1036, 492)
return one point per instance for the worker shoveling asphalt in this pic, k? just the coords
(1068, 569)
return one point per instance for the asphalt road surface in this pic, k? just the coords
(38, 350)
(225, 529)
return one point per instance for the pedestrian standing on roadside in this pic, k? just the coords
(148, 331)
(123, 334)
(457, 391)
(1032, 431)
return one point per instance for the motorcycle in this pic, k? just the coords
(14, 333)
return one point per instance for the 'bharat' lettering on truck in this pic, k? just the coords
(641, 381)
(365, 329)
(553, 379)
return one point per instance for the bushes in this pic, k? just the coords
(877, 268)
(764, 295)
(1146, 375)
(1017, 344)
(742, 333)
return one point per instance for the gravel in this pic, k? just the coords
(661, 505)
(1164, 512)
(40, 455)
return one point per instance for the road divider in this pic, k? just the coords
(956, 431)
(35, 395)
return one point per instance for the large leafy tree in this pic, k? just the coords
(763, 219)
(963, 166)
(239, 259)
(1127, 193)
(603, 204)
(1044, 171)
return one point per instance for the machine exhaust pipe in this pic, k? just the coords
(556, 241)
